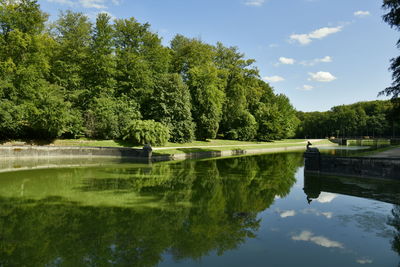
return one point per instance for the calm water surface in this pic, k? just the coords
(244, 211)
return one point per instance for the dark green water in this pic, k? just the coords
(245, 211)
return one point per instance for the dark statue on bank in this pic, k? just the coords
(311, 149)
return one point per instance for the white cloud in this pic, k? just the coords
(62, 2)
(315, 61)
(321, 76)
(326, 59)
(301, 38)
(274, 79)
(254, 2)
(306, 87)
(318, 240)
(96, 4)
(307, 38)
(361, 13)
(286, 61)
(323, 32)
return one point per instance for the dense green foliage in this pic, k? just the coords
(147, 132)
(171, 105)
(373, 119)
(78, 78)
(393, 19)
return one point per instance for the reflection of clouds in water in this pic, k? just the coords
(318, 240)
(286, 213)
(328, 215)
(364, 261)
(370, 222)
(326, 197)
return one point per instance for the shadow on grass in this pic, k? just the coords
(126, 143)
(35, 142)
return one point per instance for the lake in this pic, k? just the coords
(241, 211)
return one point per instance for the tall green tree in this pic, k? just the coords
(30, 106)
(207, 99)
(237, 122)
(72, 31)
(274, 114)
(140, 59)
(193, 60)
(392, 17)
(101, 65)
(171, 105)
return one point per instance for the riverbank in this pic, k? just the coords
(27, 157)
(107, 148)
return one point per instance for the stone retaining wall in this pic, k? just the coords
(65, 152)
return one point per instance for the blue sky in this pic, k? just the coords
(320, 53)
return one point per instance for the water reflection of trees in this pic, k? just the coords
(395, 222)
(213, 206)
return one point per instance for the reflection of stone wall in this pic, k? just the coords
(395, 141)
(370, 188)
(51, 152)
(353, 166)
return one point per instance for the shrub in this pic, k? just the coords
(147, 132)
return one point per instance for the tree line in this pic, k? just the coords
(372, 119)
(113, 79)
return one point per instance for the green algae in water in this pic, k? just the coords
(243, 211)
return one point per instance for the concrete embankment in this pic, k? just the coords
(7, 152)
(228, 153)
(15, 158)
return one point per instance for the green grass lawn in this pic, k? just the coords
(236, 145)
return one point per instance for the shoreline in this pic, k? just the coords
(233, 152)
(32, 152)
(88, 159)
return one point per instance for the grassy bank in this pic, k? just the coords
(215, 145)
(173, 148)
